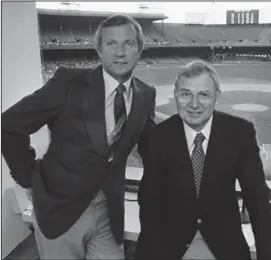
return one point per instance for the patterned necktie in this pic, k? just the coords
(197, 158)
(120, 120)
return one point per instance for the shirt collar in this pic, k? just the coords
(190, 133)
(111, 84)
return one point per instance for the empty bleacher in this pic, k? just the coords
(265, 35)
(78, 32)
(154, 33)
(237, 34)
(167, 60)
(214, 33)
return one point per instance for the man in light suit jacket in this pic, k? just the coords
(95, 117)
(187, 198)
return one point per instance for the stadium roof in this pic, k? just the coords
(99, 15)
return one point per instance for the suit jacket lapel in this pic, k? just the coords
(179, 151)
(215, 154)
(93, 108)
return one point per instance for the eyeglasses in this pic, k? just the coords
(128, 45)
(186, 96)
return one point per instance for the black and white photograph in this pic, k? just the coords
(136, 130)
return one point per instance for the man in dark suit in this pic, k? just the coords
(188, 204)
(95, 117)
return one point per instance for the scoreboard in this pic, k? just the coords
(243, 17)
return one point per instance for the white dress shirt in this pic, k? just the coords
(198, 249)
(110, 91)
(110, 85)
(190, 135)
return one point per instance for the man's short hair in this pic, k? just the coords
(197, 68)
(116, 20)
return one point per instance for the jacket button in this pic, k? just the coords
(199, 221)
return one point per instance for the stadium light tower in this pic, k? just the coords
(150, 7)
(70, 5)
(143, 7)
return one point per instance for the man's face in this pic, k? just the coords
(119, 51)
(196, 98)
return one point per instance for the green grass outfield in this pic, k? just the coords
(248, 84)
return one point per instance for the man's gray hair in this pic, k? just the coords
(116, 20)
(197, 68)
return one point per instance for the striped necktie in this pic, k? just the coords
(120, 120)
(197, 158)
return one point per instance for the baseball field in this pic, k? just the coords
(246, 92)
